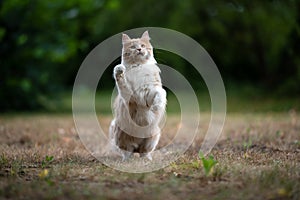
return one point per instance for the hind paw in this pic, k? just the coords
(147, 155)
(126, 155)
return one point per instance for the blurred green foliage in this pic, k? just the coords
(43, 42)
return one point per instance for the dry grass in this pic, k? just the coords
(258, 158)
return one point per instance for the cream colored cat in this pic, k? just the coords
(141, 100)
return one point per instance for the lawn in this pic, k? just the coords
(258, 157)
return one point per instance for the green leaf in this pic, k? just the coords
(208, 163)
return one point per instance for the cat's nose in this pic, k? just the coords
(139, 49)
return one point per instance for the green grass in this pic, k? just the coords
(237, 101)
(208, 163)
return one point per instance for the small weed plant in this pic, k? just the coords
(208, 163)
(47, 161)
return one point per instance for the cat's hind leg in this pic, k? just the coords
(115, 139)
(147, 155)
(148, 145)
(126, 155)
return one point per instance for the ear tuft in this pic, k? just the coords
(145, 35)
(125, 38)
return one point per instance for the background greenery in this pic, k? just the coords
(255, 44)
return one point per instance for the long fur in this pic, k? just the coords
(141, 100)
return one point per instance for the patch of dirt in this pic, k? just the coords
(258, 158)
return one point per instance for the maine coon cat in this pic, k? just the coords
(141, 100)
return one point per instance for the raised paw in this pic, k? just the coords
(156, 108)
(159, 102)
(119, 71)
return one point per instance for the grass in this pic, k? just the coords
(41, 157)
(208, 163)
(257, 156)
(238, 100)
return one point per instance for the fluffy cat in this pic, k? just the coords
(141, 100)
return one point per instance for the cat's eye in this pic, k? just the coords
(142, 45)
(132, 47)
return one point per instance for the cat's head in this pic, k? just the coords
(137, 51)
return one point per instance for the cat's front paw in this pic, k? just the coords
(119, 71)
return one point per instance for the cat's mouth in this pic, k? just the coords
(140, 53)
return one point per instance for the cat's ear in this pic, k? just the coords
(145, 35)
(125, 38)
